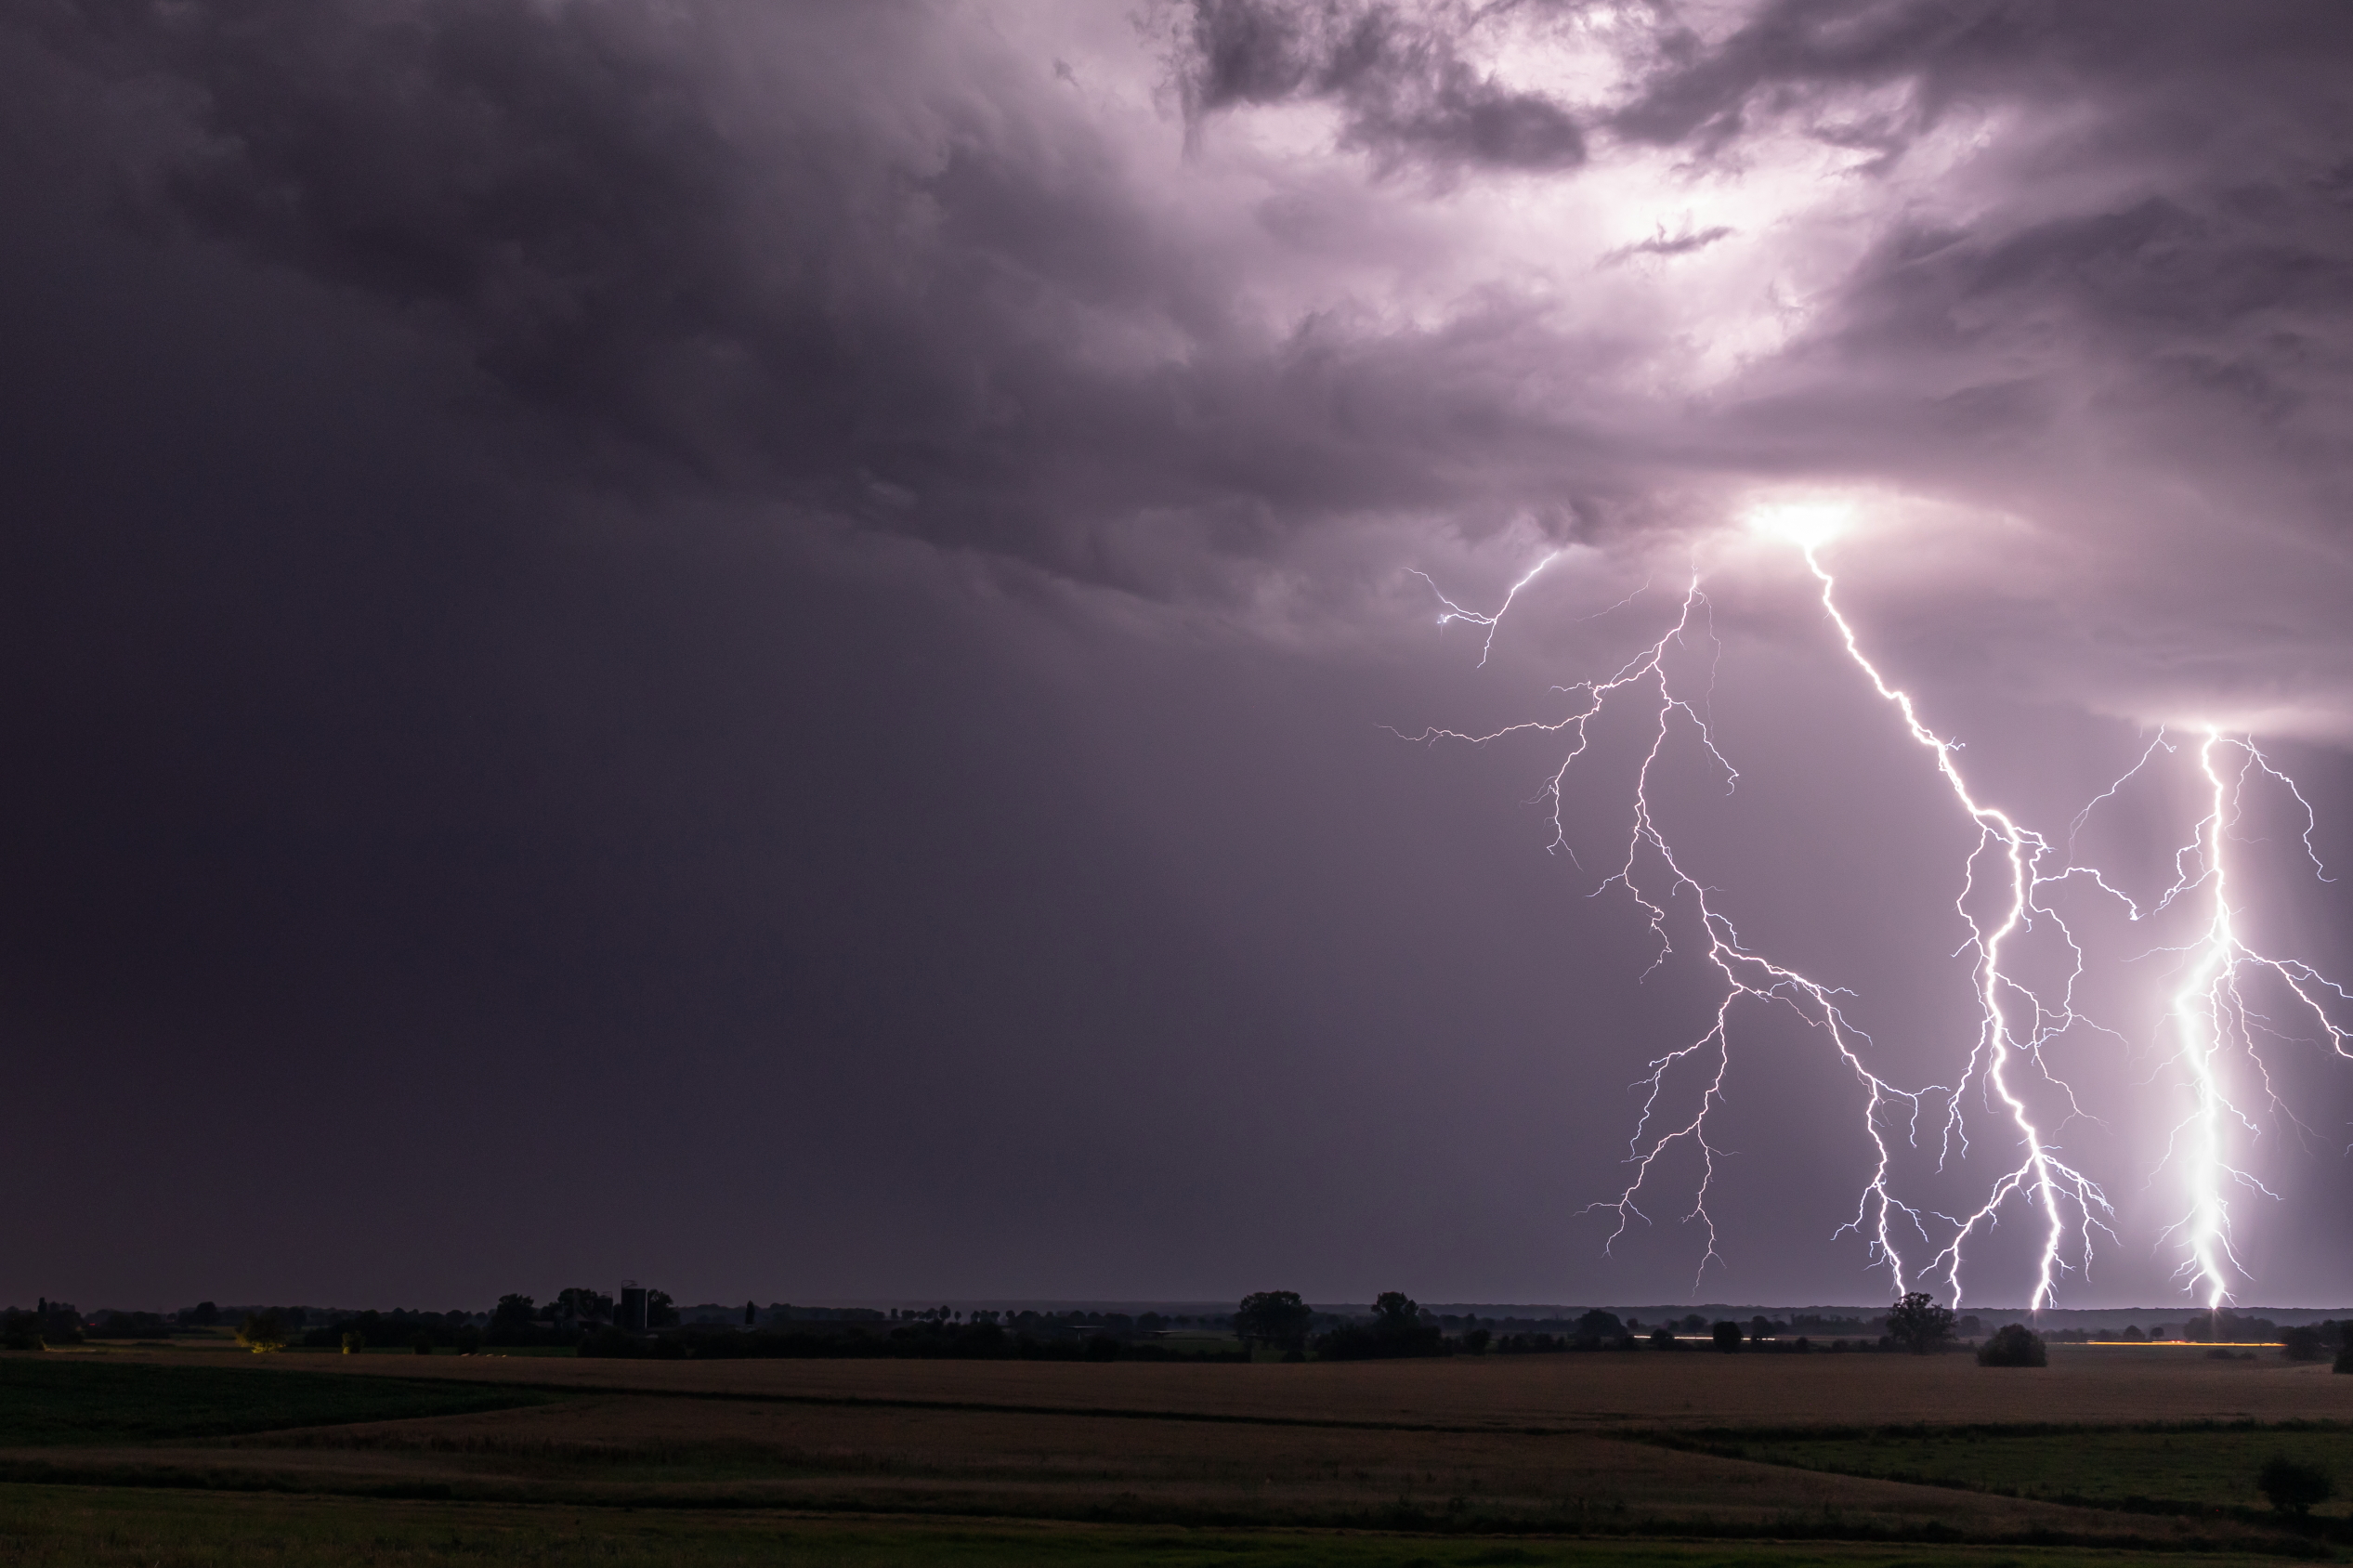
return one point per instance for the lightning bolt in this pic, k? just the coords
(2004, 882)
(2209, 1014)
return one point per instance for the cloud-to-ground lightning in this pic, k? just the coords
(2212, 1022)
(2006, 884)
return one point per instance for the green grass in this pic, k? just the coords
(2193, 1468)
(54, 1399)
(102, 1527)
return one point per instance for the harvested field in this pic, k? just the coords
(1629, 1448)
(1645, 1388)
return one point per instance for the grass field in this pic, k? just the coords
(46, 1400)
(76, 1528)
(1569, 1459)
(2111, 1469)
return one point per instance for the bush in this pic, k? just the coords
(2344, 1358)
(261, 1333)
(2301, 1344)
(1662, 1339)
(1727, 1336)
(2294, 1487)
(354, 1342)
(2015, 1346)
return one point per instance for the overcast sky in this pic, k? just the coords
(765, 647)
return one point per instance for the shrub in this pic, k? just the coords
(261, 1333)
(1662, 1339)
(2294, 1487)
(2344, 1358)
(354, 1342)
(1727, 1336)
(2015, 1346)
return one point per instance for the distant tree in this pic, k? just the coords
(262, 1332)
(581, 1305)
(1662, 1339)
(750, 1315)
(2294, 1487)
(512, 1312)
(2345, 1356)
(2014, 1346)
(1693, 1324)
(1476, 1340)
(1399, 1328)
(204, 1314)
(354, 1342)
(2301, 1344)
(1599, 1325)
(1276, 1318)
(660, 1311)
(1727, 1335)
(422, 1342)
(1919, 1324)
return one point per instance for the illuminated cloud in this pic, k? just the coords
(1224, 317)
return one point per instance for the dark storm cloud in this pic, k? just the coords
(886, 264)
(856, 273)
(436, 669)
(1794, 54)
(1404, 91)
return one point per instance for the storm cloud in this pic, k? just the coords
(1015, 341)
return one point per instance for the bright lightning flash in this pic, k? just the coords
(2002, 883)
(2210, 1014)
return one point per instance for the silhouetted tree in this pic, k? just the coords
(2014, 1346)
(1662, 1339)
(2294, 1487)
(1599, 1325)
(1727, 1336)
(2301, 1344)
(262, 1332)
(1278, 1318)
(1919, 1324)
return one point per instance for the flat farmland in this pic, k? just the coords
(1630, 1448)
(2082, 1385)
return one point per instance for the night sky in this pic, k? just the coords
(771, 647)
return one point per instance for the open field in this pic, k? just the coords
(56, 1399)
(1553, 1455)
(78, 1527)
(2110, 1468)
(2082, 1385)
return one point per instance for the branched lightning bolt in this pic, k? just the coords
(1998, 900)
(2059, 1191)
(2209, 1012)
(2005, 882)
(1652, 872)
